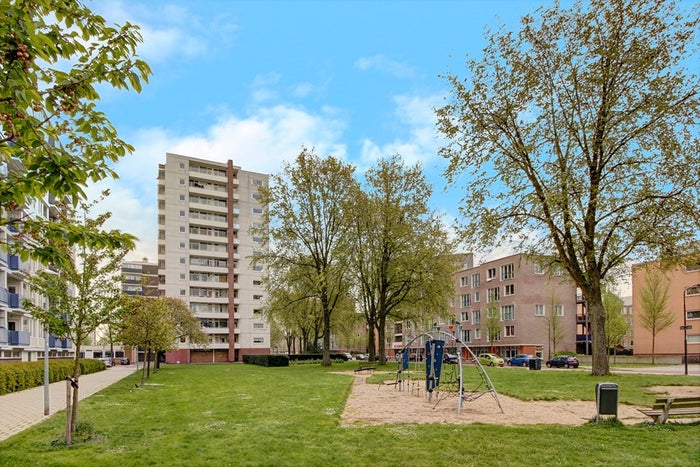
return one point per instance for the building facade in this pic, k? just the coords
(205, 212)
(22, 337)
(513, 305)
(681, 288)
(140, 278)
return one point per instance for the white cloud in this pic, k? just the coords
(259, 142)
(381, 63)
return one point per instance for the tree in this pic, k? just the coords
(579, 135)
(55, 53)
(493, 324)
(615, 324)
(82, 289)
(655, 315)
(157, 324)
(402, 258)
(307, 217)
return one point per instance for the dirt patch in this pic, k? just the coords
(372, 404)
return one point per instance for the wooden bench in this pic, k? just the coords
(364, 368)
(665, 407)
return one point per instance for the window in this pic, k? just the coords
(476, 316)
(509, 289)
(559, 310)
(477, 297)
(465, 300)
(477, 334)
(465, 316)
(258, 267)
(507, 272)
(182, 244)
(509, 331)
(257, 240)
(257, 210)
(539, 270)
(256, 182)
(182, 197)
(494, 295)
(507, 312)
(258, 325)
(490, 274)
(693, 290)
(539, 309)
(257, 297)
(182, 276)
(182, 228)
(181, 165)
(466, 335)
(182, 181)
(255, 196)
(182, 213)
(692, 315)
(476, 280)
(182, 260)
(258, 340)
(257, 282)
(183, 292)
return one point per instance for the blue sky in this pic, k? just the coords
(254, 81)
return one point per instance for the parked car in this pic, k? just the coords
(124, 361)
(491, 359)
(361, 356)
(450, 358)
(562, 361)
(348, 355)
(107, 361)
(522, 359)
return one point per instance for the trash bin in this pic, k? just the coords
(606, 399)
(535, 364)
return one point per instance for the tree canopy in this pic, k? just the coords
(53, 138)
(578, 136)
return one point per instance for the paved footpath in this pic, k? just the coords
(20, 410)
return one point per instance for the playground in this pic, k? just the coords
(372, 404)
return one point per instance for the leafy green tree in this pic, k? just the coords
(493, 324)
(655, 315)
(82, 288)
(616, 326)
(157, 324)
(307, 218)
(578, 137)
(54, 140)
(402, 258)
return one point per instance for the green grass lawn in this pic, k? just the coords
(247, 415)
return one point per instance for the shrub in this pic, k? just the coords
(17, 376)
(266, 360)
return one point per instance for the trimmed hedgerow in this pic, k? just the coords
(17, 376)
(266, 360)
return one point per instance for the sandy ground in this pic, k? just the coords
(372, 404)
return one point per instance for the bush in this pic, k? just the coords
(317, 357)
(18, 376)
(266, 360)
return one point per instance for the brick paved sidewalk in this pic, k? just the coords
(20, 410)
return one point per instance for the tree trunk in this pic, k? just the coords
(600, 363)
(381, 333)
(326, 337)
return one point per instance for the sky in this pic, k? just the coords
(255, 81)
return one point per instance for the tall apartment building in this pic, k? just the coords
(205, 211)
(140, 278)
(681, 288)
(22, 337)
(532, 310)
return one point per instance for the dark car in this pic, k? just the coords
(521, 359)
(563, 361)
(450, 358)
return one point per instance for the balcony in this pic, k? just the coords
(4, 336)
(19, 338)
(13, 300)
(13, 262)
(3, 295)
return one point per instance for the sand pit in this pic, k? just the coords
(372, 404)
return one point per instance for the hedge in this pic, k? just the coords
(266, 360)
(17, 376)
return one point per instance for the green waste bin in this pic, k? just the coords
(606, 399)
(535, 364)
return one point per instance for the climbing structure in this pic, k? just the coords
(433, 345)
